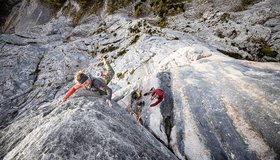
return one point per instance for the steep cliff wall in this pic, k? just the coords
(5, 10)
(26, 14)
(242, 29)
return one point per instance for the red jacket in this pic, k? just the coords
(159, 94)
(72, 90)
(96, 86)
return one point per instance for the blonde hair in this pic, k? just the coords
(78, 76)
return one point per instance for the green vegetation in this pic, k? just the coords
(67, 9)
(113, 5)
(132, 71)
(77, 17)
(159, 8)
(174, 9)
(225, 17)
(134, 29)
(220, 33)
(84, 3)
(122, 52)
(162, 23)
(96, 5)
(264, 48)
(87, 7)
(54, 3)
(134, 39)
(162, 8)
(167, 7)
(138, 10)
(108, 49)
(244, 4)
(121, 75)
(100, 30)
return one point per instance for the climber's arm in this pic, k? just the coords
(157, 102)
(71, 91)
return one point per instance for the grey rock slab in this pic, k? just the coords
(81, 128)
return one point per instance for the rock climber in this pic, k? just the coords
(94, 84)
(155, 94)
(136, 104)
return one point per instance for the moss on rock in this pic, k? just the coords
(121, 53)
(108, 49)
(134, 39)
(267, 51)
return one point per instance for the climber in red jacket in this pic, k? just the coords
(155, 93)
(94, 84)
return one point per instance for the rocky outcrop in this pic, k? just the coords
(236, 28)
(249, 34)
(215, 107)
(82, 128)
(26, 14)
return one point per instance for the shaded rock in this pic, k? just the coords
(220, 108)
(25, 15)
(6, 7)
